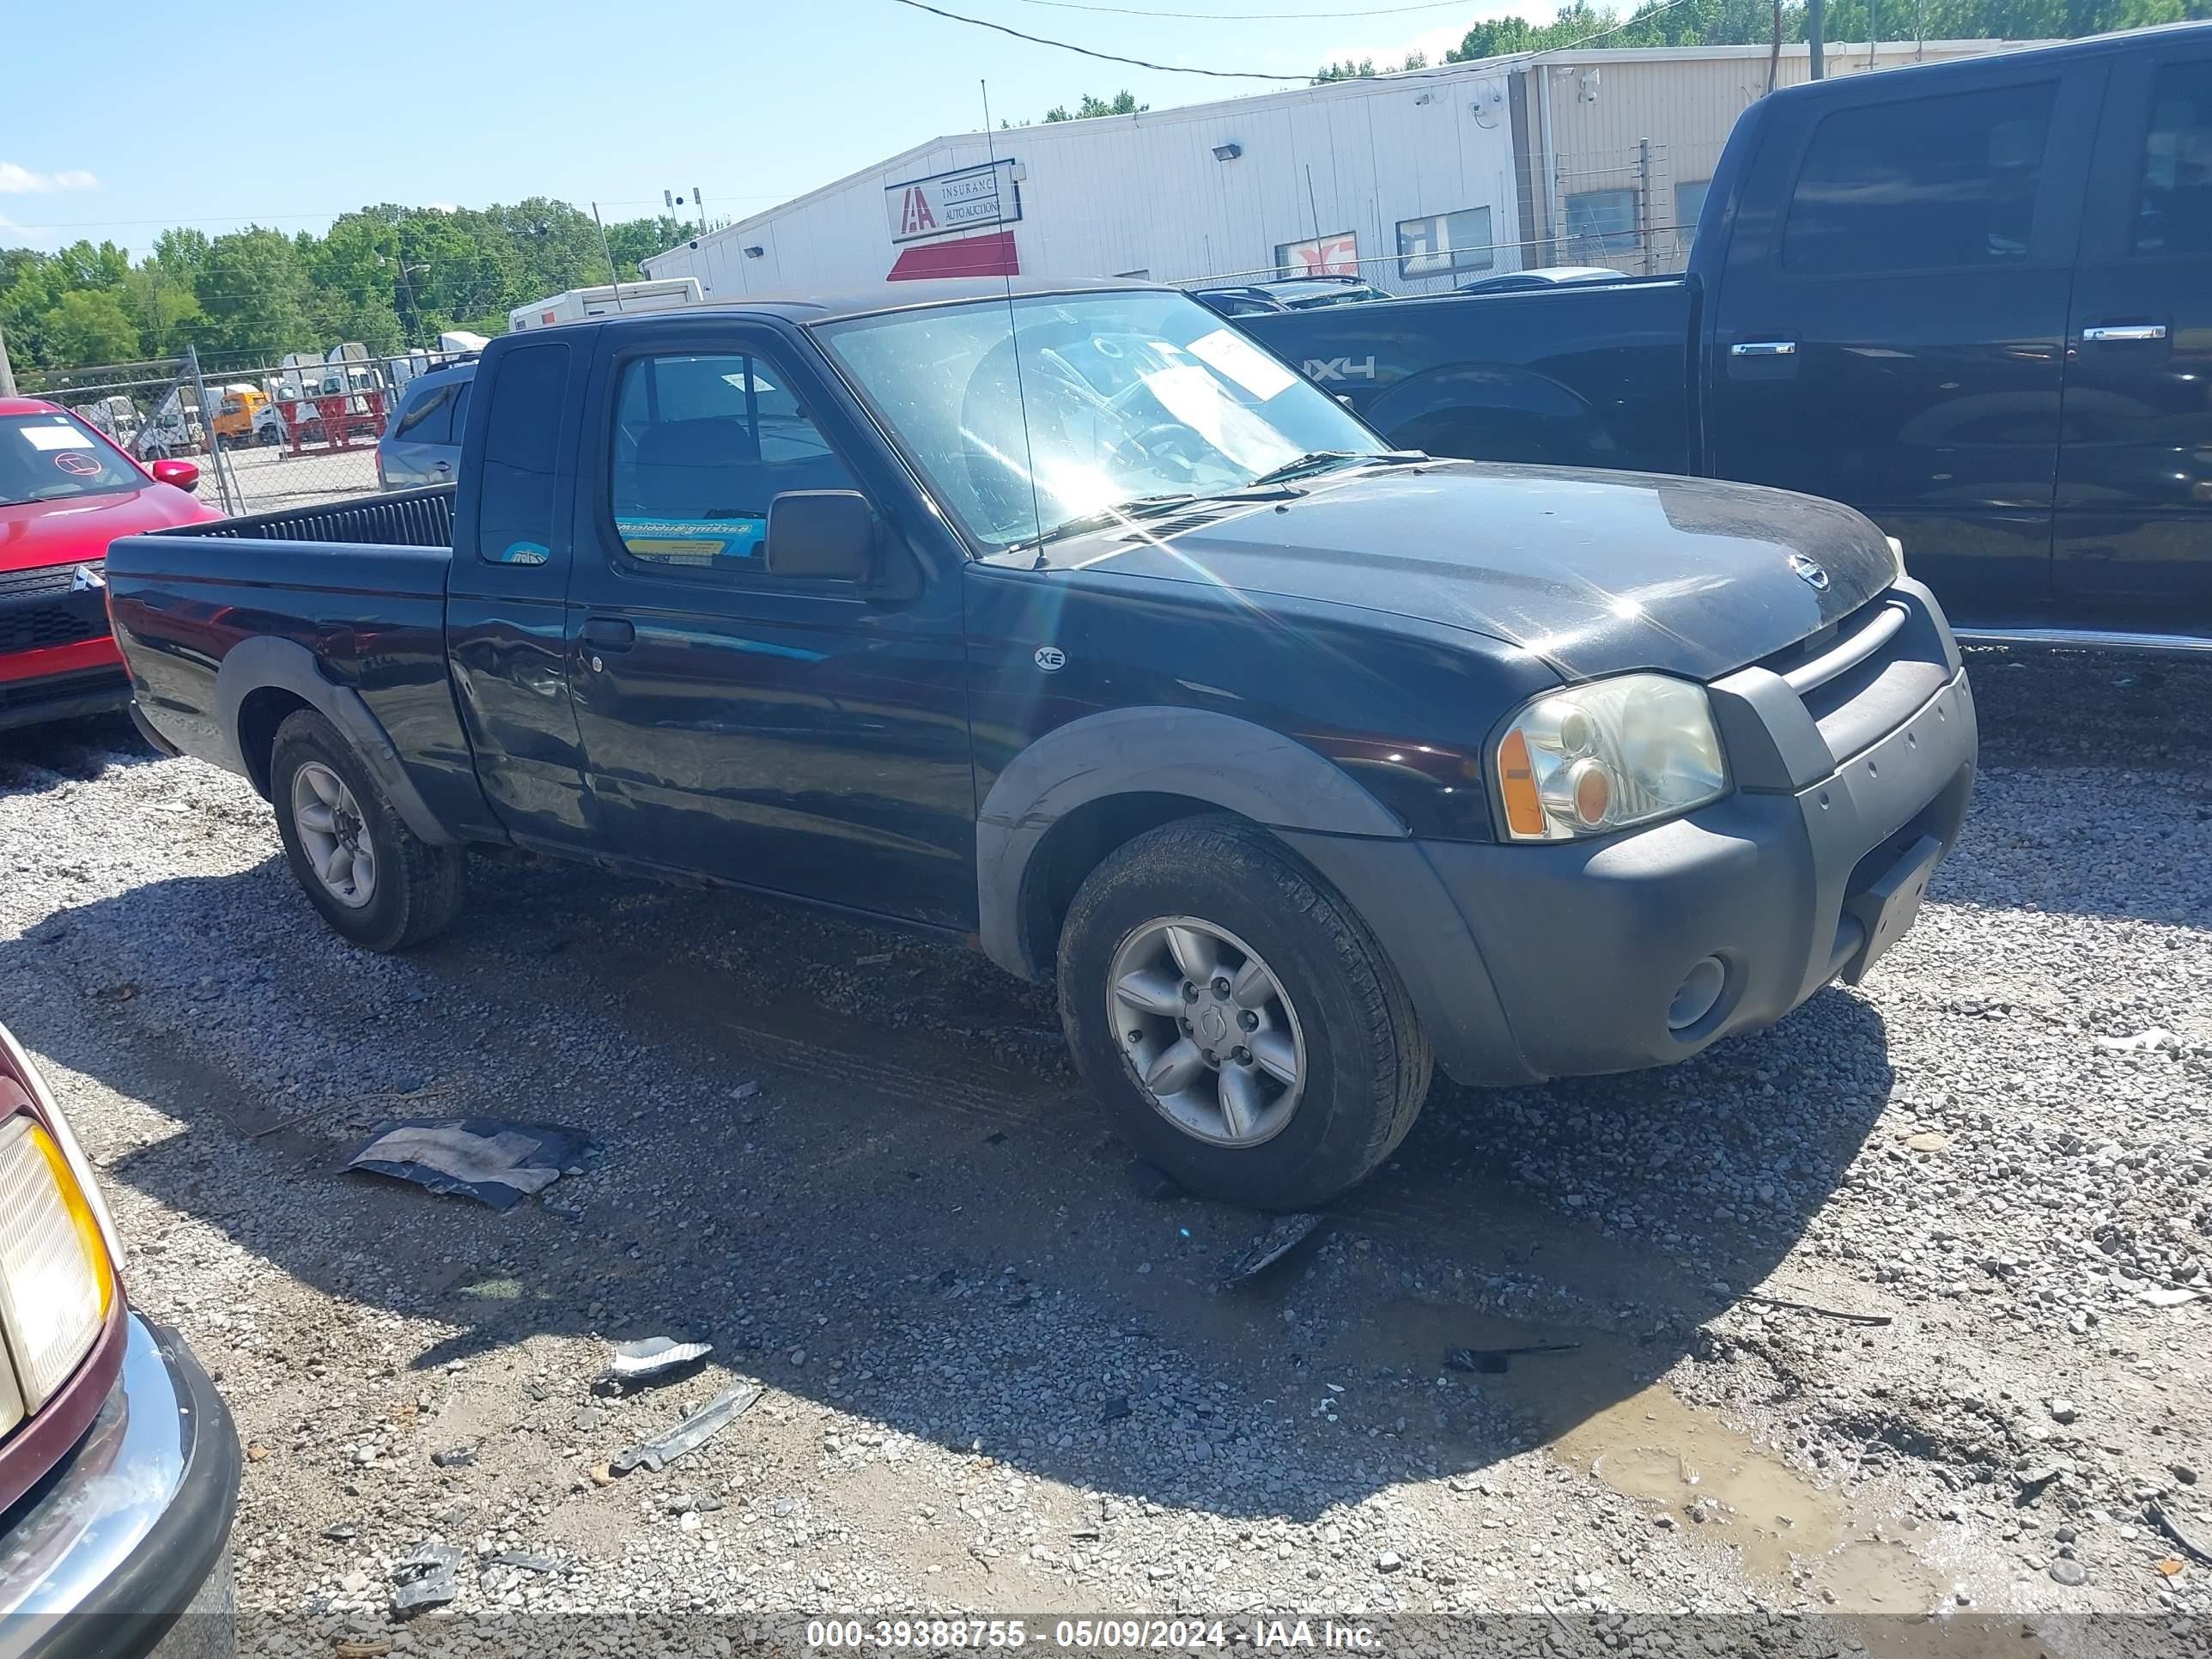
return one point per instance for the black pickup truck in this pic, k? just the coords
(1072, 621)
(1972, 300)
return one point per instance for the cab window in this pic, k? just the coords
(702, 446)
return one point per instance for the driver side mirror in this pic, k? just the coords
(822, 535)
(178, 475)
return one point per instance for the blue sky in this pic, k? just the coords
(322, 107)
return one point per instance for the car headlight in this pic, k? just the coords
(1588, 759)
(57, 1283)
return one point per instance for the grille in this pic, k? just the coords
(31, 584)
(34, 628)
(1864, 673)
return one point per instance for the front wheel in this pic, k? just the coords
(1237, 1018)
(372, 878)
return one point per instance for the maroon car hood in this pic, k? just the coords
(68, 531)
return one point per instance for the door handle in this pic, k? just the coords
(610, 633)
(2108, 333)
(1763, 349)
(441, 467)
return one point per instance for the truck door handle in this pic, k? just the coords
(2106, 333)
(610, 633)
(1763, 349)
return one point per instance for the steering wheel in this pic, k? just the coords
(1141, 439)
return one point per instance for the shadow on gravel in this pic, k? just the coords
(36, 757)
(916, 1218)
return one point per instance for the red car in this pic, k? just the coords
(66, 491)
(119, 1461)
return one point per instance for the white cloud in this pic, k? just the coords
(21, 181)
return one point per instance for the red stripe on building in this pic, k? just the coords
(971, 256)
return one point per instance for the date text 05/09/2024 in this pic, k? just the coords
(1071, 1635)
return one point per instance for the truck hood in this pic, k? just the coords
(78, 530)
(1596, 573)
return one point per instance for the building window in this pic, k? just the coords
(1921, 183)
(1323, 256)
(1603, 221)
(1445, 242)
(1689, 204)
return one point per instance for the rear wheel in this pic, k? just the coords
(372, 878)
(1236, 1018)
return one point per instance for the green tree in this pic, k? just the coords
(255, 293)
(89, 325)
(637, 239)
(1123, 102)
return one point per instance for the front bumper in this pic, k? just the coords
(124, 1549)
(1567, 956)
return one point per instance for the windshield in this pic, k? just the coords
(48, 457)
(1036, 415)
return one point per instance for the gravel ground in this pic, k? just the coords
(1000, 1372)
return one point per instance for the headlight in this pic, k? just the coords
(56, 1281)
(1587, 759)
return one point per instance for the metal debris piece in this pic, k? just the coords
(454, 1457)
(425, 1579)
(2163, 1519)
(653, 1357)
(490, 1159)
(1286, 1235)
(1491, 1362)
(693, 1432)
(1844, 1314)
(527, 1561)
(344, 1533)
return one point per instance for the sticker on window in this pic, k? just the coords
(1231, 354)
(77, 462)
(693, 541)
(54, 437)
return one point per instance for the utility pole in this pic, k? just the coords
(7, 371)
(1816, 25)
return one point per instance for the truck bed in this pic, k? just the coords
(351, 595)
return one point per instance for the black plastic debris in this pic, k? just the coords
(425, 1579)
(490, 1159)
(1114, 1409)
(655, 1356)
(1279, 1241)
(693, 1432)
(528, 1561)
(1492, 1362)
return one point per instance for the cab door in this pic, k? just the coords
(507, 624)
(1890, 321)
(2133, 528)
(805, 737)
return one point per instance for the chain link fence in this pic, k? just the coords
(267, 437)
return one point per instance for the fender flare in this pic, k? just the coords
(1229, 762)
(1500, 389)
(266, 664)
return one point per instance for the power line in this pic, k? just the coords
(1108, 57)
(1257, 16)
(1642, 15)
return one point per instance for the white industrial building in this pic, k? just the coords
(1417, 181)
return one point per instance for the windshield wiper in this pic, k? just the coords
(1135, 507)
(1320, 461)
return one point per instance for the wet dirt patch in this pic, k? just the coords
(1590, 1397)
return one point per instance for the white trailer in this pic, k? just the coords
(612, 299)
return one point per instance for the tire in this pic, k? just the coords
(1365, 1063)
(412, 890)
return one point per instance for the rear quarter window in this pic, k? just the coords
(521, 455)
